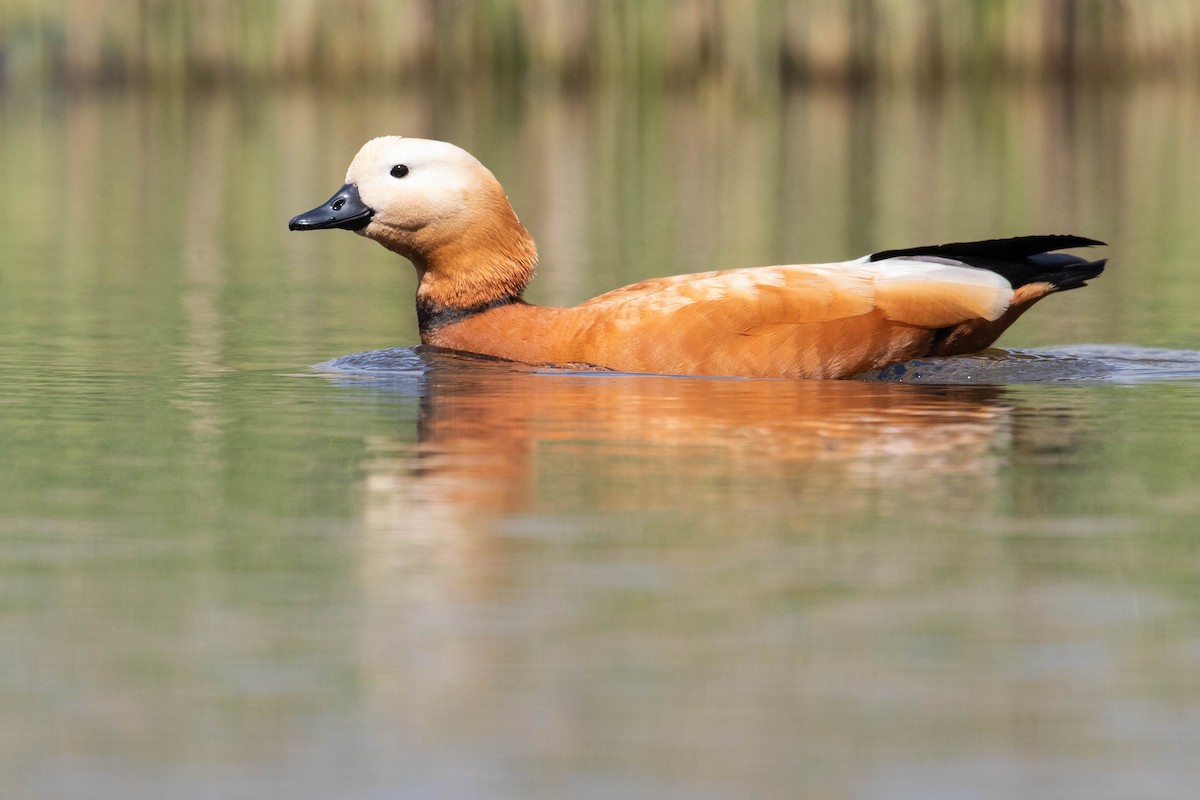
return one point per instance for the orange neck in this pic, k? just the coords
(477, 260)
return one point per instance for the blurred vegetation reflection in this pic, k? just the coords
(615, 187)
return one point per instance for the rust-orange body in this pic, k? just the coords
(449, 216)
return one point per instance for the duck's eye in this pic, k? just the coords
(399, 171)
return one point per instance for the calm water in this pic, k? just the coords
(226, 574)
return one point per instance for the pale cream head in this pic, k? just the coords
(414, 183)
(435, 204)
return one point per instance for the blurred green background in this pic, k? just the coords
(223, 574)
(761, 43)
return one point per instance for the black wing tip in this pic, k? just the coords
(1051, 241)
(1017, 247)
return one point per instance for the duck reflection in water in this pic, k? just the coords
(476, 511)
(497, 438)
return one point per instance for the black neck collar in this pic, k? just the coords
(432, 315)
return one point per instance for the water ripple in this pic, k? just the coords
(1084, 363)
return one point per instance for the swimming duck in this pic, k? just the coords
(439, 207)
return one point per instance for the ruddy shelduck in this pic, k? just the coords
(439, 207)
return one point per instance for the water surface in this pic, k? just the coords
(224, 572)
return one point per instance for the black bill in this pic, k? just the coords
(344, 210)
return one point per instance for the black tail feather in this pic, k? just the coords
(1066, 275)
(1021, 260)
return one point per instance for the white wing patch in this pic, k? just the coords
(935, 294)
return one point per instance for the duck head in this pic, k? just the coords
(435, 204)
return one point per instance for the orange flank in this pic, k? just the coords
(436, 205)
